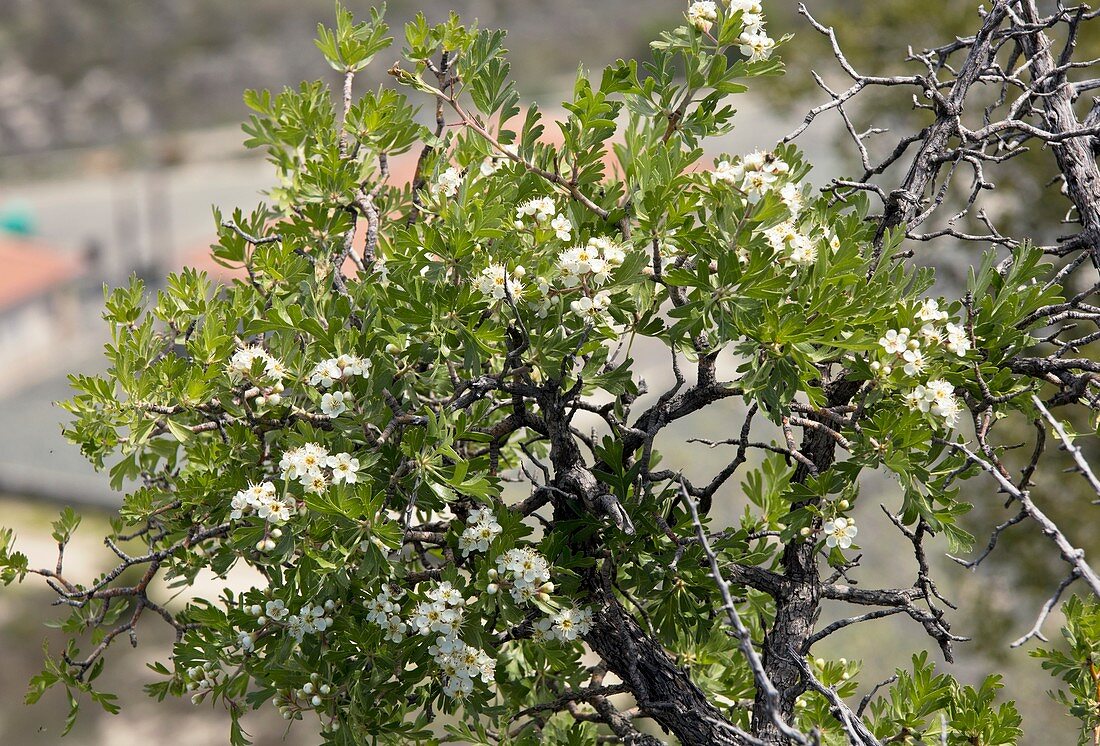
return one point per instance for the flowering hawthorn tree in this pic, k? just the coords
(419, 418)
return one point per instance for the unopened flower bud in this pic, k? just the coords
(844, 505)
(316, 701)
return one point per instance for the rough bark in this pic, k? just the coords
(662, 688)
(1074, 155)
(798, 602)
(904, 202)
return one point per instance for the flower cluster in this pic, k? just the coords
(481, 529)
(544, 211)
(310, 619)
(912, 351)
(495, 282)
(593, 261)
(312, 693)
(264, 500)
(754, 40)
(937, 397)
(790, 243)
(441, 613)
(952, 335)
(202, 678)
(315, 468)
(241, 364)
(461, 664)
(448, 183)
(526, 571)
(702, 14)
(592, 308)
(755, 174)
(326, 372)
(384, 610)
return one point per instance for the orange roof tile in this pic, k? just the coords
(31, 268)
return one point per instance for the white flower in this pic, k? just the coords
(325, 372)
(482, 528)
(748, 6)
(803, 250)
(448, 183)
(446, 593)
(394, 629)
(495, 284)
(702, 14)
(917, 399)
(245, 642)
(344, 468)
(895, 342)
(304, 462)
(490, 166)
(275, 610)
(564, 625)
(948, 409)
(460, 664)
(727, 172)
(591, 308)
(313, 618)
(791, 197)
(239, 506)
(943, 402)
(562, 227)
(337, 368)
(380, 607)
(426, 615)
(914, 362)
(541, 209)
(957, 340)
(526, 569)
(930, 335)
(757, 183)
(839, 532)
(930, 311)
(316, 483)
(240, 364)
(756, 45)
(335, 403)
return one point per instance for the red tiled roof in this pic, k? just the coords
(31, 268)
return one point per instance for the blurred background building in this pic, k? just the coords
(119, 129)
